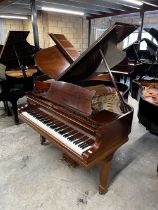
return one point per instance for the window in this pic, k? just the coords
(99, 32)
(134, 36)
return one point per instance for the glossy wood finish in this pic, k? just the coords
(70, 104)
(99, 126)
(82, 100)
(65, 47)
(53, 61)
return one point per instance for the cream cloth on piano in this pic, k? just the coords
(18, 73)
(2, 71)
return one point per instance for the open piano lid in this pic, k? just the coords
(17, 40)
(54, 63)
(153, 32)
(90, 60)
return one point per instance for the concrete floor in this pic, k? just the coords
(33, 177)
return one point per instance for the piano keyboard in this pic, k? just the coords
(72, 138)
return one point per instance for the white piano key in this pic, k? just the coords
(61, 138)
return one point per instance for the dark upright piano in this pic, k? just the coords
(87, 120)
(18, 57)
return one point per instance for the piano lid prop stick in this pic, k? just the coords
(61, 47)
(23, 68)
(124, 107)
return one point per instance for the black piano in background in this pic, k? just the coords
(18, 57)
(87, 120)
(1, 47)
(145, 90)
(138, 61)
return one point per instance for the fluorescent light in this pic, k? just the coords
(139, 3)
(62, 11)
(151, 4)
(13, 17)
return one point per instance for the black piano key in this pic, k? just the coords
(79, 140)
(85, 144)
(75, 137)
(54, 123)
(70, 133)
(72, 138)
(82, 144)
(50, 123)
(53, 126)
(58, 128)
(89, 143)
(64, 131)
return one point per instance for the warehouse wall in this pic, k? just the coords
(150, 20)
(75, 28)
(9, 25)
(70, 26)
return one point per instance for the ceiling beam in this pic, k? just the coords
(22, 11)
(74, 4)
(111, 15)
(151, 2)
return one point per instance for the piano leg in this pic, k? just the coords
(42, 140)
(104, 172)
(6, 107)
(15, 112)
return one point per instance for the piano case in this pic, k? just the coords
(63, 112)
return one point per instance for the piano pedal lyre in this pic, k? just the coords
(70, 161)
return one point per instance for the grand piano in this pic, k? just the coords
(137, 61)
(18, 57)
(87, 119)
(1, 46)
(145, 88)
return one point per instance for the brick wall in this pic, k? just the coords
(71, 26)
(9, 25)
(75, 28)
(150, 20)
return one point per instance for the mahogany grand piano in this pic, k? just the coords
(18, 57)
(87, 119)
